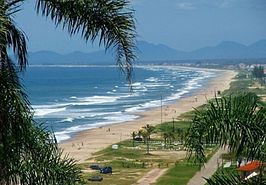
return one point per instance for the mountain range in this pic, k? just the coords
(148, 52)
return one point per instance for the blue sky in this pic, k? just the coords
(181, 24)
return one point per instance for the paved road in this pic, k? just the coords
(208, 170)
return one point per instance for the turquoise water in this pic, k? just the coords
(69, 99)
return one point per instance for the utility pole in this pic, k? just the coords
(161, 109)
(173, 124)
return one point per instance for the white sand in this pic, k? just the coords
(85, 143)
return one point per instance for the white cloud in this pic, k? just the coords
(185, 6)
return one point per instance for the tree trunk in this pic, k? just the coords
(148, 146)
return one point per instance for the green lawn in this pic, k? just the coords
(183, 170)
(179, 174)
(131, 163)
(243, 82)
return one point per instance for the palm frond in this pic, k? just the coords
(11, 36)
(230, 177)
(111, 21)
(236, 121)
(28, 153)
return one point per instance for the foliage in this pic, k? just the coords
(179, 174)
(182, 171)
(258, 72)
(109, 20)
(29, 153)
(11, 37)
(244, 82)
(237, 121)
(133, 134)
(146, 133)
(231, 177)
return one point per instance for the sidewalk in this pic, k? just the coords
(208, 170)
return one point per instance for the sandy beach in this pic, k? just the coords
(85, 143)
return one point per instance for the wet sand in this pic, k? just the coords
(85, 143)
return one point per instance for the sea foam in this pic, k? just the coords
(101, 103)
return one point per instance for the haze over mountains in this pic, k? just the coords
(148, 52)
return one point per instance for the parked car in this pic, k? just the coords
(138, 139)
(95, 178)
(95, 167)
(107, 169)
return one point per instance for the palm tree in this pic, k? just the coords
(228, 178)
(133, 134)
(28, 153)
(165, 137)
(172, 137)
(109, 20)
(181, 132)
(146, 134)
(237, 121)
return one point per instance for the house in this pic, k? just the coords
(251, 169)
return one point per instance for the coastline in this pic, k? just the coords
(85, 143)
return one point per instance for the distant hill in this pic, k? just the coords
(50, 57)
(152, 52)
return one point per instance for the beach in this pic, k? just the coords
(85, 143)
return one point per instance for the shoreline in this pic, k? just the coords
(82, 145)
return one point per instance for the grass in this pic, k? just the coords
(123, 152)
(243, 82)
(183, 170)
(119, 176)
(179, 174)
(131, 163)
(169, 126)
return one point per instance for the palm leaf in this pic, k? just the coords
(111, 21)
(236, 121)
(11, 36)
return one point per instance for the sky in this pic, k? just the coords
(181, 24)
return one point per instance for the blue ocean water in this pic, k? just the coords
(69, 99)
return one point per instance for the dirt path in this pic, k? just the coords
(208, 170)
(151, 176)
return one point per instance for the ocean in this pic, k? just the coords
(69, 99)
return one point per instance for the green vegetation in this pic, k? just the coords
(183, 170)
(28, 153)
(146, 135)
(240, 83)
(229, 176)
(237, 121)
(179, 174)
(131, 163)
(258, 73)
(244, 82)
